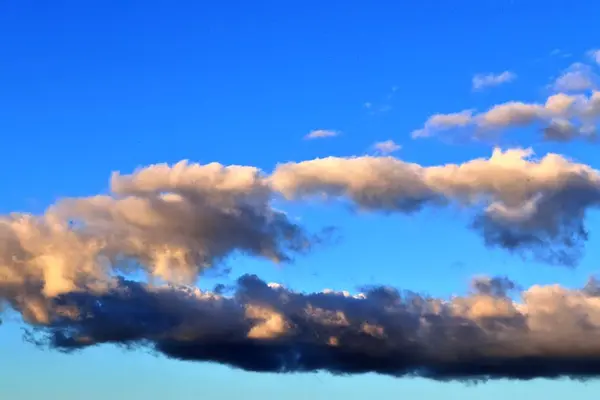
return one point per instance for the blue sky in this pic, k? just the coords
(92, 88)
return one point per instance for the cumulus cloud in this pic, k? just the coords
(548, 332)
(482, 81)
(562, 117)
(577, 78)
(170, 222)
(386, 147)
(174, 222)
(534, 207)
(64, 271)
(321, 133)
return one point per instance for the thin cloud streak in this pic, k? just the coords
(321, 134)
(483, 81)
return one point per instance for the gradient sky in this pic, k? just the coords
(90, 87)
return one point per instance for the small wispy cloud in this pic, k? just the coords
(560, 53)
(321, 134)
(482, 81)
(444, 121)
(386, 147)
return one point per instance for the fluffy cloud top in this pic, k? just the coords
(63, 271)
(525, 204)
(173, 222)
(170, 222)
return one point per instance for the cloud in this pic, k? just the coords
(443, 122)
(549, 332)
(534, 207)
(64, 271)
(321, 133)
(594, 55)
(580, 112)
(173, 222)
(386, 147)
(560, 53)
(577, 78)
(169, 222)
(482, 81)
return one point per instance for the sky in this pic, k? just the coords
(95, 93)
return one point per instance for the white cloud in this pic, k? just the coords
(321, 133)
(171, 221)
(525, 202)
(577, 78)
(386, 147)
(511, 113)
(581, 112)
(482, 81)
(594, 54)
(444, 121)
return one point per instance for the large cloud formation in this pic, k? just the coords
(66, 272)
(535, 206)
(551, 332)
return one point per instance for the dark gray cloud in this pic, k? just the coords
(550, 333)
